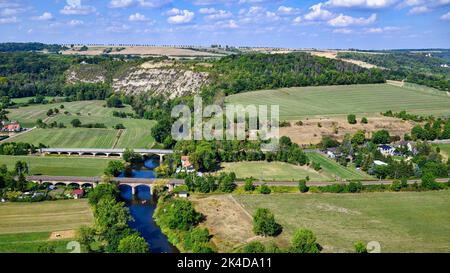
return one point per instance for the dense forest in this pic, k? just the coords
(421, 67)
(16, 47)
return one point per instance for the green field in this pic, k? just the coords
(55, 165)
(26, 226)
(445, 150)
(400, 222)
(136, 135)
(337, 171)
(272, 171)
(301, 102)
(27, 99)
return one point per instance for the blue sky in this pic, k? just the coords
(365, 24)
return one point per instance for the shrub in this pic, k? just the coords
(304, 241)
(364, 120)
(351, 119)
(302, 186)
(133, 244)
(396, 185)
(360, 247)
(264, 223)
(285, 124)
(254, 247)
(114, 168)
(429, 182)
(355, 187)
(264, 189)
(248, 186)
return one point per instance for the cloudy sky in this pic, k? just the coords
(368, 24)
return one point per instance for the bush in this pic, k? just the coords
(114, 168)
(429, 182)
(197, 240)
(381, 137)
(264, 223)
(396, 185)
(248, 186)
(351, 119)
(133, 244)
(364, 120)
(302, 186)
(264, 189)
(355, 187)
(360, 247)
(304, 241)
(254, 247)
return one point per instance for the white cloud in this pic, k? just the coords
(283, 10)
(419, 10)
(207, 10)
(382, 29)
(317, 13)
(120, 3)
(118, 28)
(227, 24)
(446, 17)
(361, 3)
(137, 17)
(297, 20)
(74, 23)
(344, 20)
(219, 15)
(44, 17)
(343, 31)
(154, 3)
(177, 16)
(8, 20)
(74, 7)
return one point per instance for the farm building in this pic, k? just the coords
(386, 150)
(14, 126)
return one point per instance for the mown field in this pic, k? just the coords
(272, 171)
(26, 226)
(336, 170)
(137, 133)
(58, 165)
(400, 222)
(299, 102)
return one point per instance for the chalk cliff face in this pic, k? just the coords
(168, 82)
(155, 79)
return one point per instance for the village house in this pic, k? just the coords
(78, 193)
(13, 126)
(386, 150)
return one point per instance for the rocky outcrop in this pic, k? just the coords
(86, 73)
(168, 82)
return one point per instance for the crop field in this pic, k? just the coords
(272, 171)
(45, 216)
(400, 222)
(336, 170)
(24, 227)
(58, 165)
(301, 102)
(137, 132)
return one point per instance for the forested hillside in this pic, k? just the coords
(15, 47)
(420, 67)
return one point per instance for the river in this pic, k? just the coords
(142, 212)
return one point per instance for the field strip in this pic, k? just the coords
(118, 136)
(240, 206)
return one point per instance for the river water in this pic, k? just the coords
(142, 207)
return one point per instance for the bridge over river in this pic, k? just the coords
(134, 183)
(103, 152)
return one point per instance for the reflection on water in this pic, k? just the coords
(142, 206)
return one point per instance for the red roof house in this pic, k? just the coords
(12, 127)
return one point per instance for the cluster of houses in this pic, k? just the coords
(11, 127)
(386, 150)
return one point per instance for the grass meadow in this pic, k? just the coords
(59, 165)
(299, 102)
(26, 226)
(136, 135)
(400, 222)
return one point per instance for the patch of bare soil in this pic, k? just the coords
(60, 235)
(333, 55)
(313, 129)
(229, 223)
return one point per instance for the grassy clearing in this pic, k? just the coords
(401, 222)
(337, 171)
(272, 171)
(58, 165)
(445, 150)
(29, 243)
(136, 135)
(44, 216)
(301, 102)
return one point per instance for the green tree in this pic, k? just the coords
(133, 244)
(103, 191)
(131, 157)
(359, 138)
(248, 186)
(21, 167)
(304, 241)
(264, 223)
(264, 189)
(302, 186)
(429, 182)
(114, 168)
(351, 119)
(179, 214)
(254, 247)
(381, 137)
(75, 123)
(364, 120)
(360, 247)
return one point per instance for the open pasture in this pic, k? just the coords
(299, 102)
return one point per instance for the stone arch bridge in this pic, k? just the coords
(103, 152)
(134, 183)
